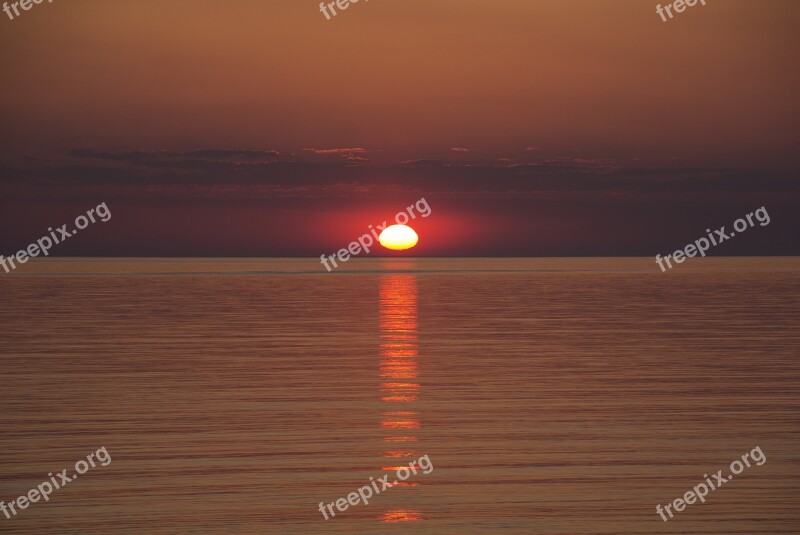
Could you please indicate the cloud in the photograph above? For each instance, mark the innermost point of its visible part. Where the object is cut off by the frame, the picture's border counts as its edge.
(159, 156)
(249, 176)
(460, 149)
(356, 150)
(422, 163)
(233, 154)
(349, 154)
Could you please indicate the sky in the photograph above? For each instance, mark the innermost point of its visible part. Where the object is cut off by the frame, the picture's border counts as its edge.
(531, 128)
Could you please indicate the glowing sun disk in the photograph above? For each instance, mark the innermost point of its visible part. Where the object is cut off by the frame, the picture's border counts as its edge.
(398, 237)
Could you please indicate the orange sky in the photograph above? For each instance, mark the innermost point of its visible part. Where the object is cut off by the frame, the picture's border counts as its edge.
(411, 77)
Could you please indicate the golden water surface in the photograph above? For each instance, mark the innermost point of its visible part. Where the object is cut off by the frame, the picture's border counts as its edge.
(552, 396)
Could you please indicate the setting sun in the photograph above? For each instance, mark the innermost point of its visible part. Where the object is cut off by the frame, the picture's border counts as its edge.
(398, 237)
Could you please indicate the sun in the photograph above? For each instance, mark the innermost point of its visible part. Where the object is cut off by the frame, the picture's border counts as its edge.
(398, 237)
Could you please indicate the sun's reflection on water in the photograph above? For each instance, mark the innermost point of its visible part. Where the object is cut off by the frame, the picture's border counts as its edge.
(399, 387)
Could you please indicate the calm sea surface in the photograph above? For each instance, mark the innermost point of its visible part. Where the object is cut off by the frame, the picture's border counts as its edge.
(552, 396)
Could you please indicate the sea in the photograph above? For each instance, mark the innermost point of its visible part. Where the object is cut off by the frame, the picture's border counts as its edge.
(530, 396)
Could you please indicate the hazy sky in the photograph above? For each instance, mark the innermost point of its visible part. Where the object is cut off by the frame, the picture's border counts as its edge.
(531, 127)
